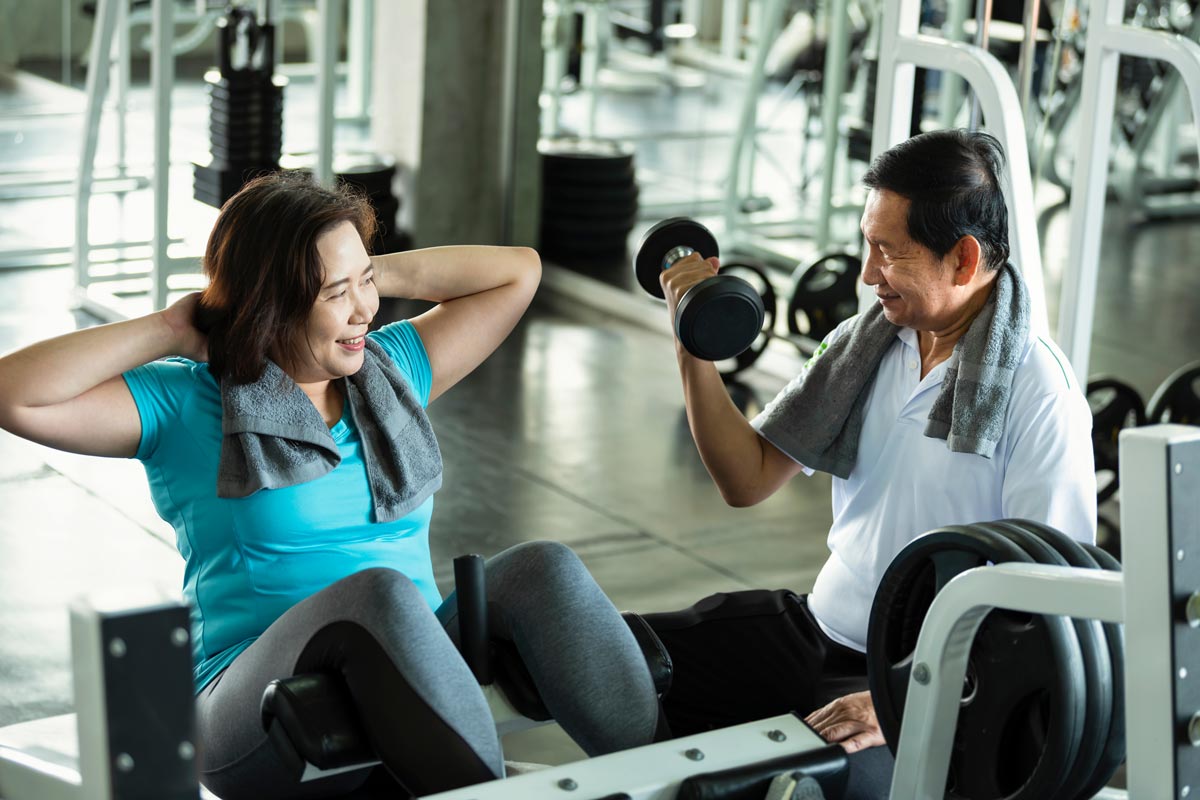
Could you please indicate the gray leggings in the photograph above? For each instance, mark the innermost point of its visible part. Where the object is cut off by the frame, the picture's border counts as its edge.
(418, 701)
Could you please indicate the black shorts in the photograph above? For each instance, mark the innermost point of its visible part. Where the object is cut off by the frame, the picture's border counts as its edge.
(747, 655)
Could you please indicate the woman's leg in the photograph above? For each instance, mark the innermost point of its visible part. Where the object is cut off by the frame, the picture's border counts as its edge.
(581, 655)
(420, 705)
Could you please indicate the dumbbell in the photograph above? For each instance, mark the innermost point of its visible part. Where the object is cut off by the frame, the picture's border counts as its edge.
(717, 318)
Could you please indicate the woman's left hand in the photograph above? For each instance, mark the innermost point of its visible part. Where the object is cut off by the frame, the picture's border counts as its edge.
(849, 721)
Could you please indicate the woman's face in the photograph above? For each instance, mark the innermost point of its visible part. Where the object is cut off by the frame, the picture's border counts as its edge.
(345, 306)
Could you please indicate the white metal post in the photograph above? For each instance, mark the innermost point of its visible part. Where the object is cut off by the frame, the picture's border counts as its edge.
(772, 16)
(330, 14)
(951, 94)
(1107, 40)
(836, 53)
(359, 58)
(97, 86)
(162, 77)
(1151, 458)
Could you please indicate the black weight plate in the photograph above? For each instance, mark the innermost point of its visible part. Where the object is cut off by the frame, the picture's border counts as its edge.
(617, 178)
(662, 239)
(719, 318)
(566, 158)
(824, 294)
(1114, 751)
(757, 277)
(1037, 539)
(581, 213)
(1019, 724)
(1115, 406)
(598, 198)
(573, 226)
(1177, 400)
(370, 172)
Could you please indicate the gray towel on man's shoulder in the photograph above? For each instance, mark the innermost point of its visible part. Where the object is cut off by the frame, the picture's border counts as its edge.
(273, 436)
(817, 419)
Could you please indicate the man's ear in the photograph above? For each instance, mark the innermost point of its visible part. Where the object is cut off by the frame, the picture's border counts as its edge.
(967, 258)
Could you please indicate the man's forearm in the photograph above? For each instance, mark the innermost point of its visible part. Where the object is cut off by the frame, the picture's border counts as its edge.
(729, 447)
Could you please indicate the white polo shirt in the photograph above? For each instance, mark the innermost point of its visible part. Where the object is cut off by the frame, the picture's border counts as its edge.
(905, 483)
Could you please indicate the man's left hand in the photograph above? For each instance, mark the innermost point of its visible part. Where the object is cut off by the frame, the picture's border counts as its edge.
(849, 721)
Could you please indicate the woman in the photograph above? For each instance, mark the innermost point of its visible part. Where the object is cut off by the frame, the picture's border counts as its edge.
(290, 450)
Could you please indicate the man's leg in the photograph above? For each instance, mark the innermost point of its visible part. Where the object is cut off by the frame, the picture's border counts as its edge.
(739, 657)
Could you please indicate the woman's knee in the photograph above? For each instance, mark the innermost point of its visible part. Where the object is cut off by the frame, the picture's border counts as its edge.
(381, 587)
(547, 558)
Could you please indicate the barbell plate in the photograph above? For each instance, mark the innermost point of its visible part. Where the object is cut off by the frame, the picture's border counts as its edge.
(1025, 705)
(1115, 405)
(1177, 399)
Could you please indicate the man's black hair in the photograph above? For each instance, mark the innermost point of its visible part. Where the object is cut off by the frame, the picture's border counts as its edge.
(952, 180)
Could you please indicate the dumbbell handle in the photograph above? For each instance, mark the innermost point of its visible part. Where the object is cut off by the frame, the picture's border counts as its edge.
(674, 255)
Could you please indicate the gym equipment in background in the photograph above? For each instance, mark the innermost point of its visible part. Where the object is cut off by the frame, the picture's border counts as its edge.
(1115, 406)
(374, 175)
(1177, 399)
(246, 114)
(589, 200)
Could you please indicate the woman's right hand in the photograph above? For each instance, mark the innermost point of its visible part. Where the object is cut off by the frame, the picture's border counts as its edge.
(188, 341)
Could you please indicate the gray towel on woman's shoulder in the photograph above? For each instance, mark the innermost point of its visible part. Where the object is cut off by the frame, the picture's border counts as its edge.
(273, 436)
(817, 419)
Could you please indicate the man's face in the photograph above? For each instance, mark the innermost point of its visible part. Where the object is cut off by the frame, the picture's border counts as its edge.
(914, 286)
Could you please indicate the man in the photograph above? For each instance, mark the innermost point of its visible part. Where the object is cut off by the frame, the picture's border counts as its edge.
(937, 406)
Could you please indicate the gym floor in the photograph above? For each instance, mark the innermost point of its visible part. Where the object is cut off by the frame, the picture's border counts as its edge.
(574, 430)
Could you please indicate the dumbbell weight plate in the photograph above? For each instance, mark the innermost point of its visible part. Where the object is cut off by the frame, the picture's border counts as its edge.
(1177, 400)
(662, 239)
(719, 318)
(757, 277)
(1115, 406)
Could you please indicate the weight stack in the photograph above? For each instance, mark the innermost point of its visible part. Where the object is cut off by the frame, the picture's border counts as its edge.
(245, 111)
(374, 175)
(589, 200)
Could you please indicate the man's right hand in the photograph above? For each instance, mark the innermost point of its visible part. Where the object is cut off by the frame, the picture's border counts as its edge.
(683, 275)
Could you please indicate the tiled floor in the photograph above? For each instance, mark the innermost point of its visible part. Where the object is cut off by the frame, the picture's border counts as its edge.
(574, 431)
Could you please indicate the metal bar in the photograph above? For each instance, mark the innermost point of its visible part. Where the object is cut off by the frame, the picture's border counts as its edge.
(162, 77)
(330, 15)
(772, 17)
(1028, 53)
(951, 95)
(1151, 460)
(97, 85)
(731, 29)
(124, 59)
(510, 64)
(589, 64)
(983, 23)
(360, 43)
(1107, 40)
(836, 58)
